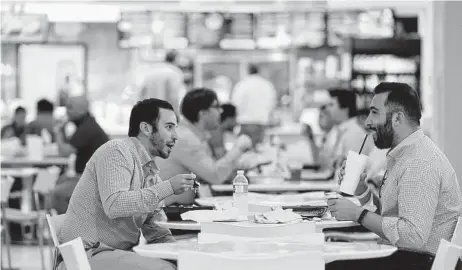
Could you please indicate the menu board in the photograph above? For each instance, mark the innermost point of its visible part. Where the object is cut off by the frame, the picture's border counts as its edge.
(308, 28)
(23, 28)
(238, 26)
(270, 24)
(205, 29)
(140, 28)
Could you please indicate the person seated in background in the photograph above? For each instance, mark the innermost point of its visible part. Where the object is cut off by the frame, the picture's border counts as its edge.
(218, 136)
(44, 121)
(17, 128)
(120, 193)
(201, 114)
(361, 118)
(419, 201)
(324, 154)
(88, 137)
(343, 111)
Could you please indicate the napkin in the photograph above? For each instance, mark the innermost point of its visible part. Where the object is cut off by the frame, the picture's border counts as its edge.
(277, 216)
(231, 214)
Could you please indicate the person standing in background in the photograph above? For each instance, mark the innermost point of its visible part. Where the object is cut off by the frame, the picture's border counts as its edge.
(255, 99)
(88, 137)
(165, 81)
(44, 121)
(17, 128)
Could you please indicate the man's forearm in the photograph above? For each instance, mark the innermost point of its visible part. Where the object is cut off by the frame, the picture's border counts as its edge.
(373, 222)
(64, 148)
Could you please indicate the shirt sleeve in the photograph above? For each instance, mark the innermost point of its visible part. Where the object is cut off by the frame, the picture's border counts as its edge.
(114, 171)
(153, 233)
(83, 135)
(195, 158)
(418, 190)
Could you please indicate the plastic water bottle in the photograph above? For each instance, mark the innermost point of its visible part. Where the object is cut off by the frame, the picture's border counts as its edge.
(240, 190)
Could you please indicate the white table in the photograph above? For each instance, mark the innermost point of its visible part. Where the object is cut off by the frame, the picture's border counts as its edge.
(288, 186)
(32, 161)
(188, 225)
(333, 251)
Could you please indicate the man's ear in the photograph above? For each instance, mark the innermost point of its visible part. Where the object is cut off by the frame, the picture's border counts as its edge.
(145, 128)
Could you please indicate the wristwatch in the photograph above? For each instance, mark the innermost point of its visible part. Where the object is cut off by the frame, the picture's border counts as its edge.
(362, 215)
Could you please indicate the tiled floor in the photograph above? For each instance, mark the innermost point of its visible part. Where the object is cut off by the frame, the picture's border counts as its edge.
(26, 258)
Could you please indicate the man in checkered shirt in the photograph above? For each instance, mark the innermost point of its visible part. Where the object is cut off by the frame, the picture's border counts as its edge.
(419, 200)
(121, 194)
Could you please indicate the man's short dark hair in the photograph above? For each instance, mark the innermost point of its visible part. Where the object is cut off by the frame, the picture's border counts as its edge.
(170, 57)
(401, 97)
(45, 106)
(197, 100)
(146, 111)
(228, 110)
(253, 69)
(20, 110)
(346, 99)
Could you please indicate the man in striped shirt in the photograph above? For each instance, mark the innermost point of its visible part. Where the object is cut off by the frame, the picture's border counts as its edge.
(121, 194)
(419, 200)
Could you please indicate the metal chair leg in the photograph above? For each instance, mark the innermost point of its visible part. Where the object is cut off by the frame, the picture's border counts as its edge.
(6, 230)
(40, 230)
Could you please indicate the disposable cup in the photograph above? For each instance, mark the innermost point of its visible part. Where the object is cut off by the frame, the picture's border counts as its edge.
(355, 166)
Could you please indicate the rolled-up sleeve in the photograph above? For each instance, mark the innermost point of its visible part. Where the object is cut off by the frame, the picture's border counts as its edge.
(114, 170)
(418, 190)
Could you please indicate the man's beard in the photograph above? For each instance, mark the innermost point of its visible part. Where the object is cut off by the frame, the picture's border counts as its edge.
(158, 146)
(384, 135)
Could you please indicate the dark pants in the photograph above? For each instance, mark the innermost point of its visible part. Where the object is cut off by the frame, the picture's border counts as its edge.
(63, 192)
(400, 260)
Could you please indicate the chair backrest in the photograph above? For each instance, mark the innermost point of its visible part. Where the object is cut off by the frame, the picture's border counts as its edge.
(193, 260)
(6, 185)
(74, 255)
(457, 236)
(45, 181)
(447, 256)
(259, 230)
(55, 223)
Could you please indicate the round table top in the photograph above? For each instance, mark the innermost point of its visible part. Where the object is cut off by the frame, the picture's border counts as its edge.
(333, 251)
(188, 225)
(34, 161)
(287, 186)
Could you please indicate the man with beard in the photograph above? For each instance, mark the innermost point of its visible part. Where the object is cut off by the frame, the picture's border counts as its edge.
(419, 199)
(201, 114)
(120, 192)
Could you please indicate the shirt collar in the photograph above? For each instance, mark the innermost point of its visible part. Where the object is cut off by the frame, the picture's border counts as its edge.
(409, 140)
(202, 135)
(146, 159)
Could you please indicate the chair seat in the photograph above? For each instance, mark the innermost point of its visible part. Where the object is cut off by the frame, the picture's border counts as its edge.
(15, 215)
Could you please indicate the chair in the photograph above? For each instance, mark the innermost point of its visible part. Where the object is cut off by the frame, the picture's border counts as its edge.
(457, 236)
(447, 256)
(44, 185)
(194, 260)
(74, 255)
(6, 185)
(55, 224)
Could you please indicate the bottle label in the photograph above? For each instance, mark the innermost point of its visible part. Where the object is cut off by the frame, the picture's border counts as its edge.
(240, 188)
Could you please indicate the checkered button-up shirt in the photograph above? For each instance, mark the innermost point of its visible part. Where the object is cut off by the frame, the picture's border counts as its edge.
(118, 194)
(420, 197)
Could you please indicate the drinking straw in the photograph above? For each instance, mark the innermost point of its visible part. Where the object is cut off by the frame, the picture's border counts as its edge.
(365, 138)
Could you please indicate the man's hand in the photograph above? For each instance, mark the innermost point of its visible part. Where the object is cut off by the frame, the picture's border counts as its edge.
(244, 143)
(344, 209)
(182, 182)
(362, 186)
